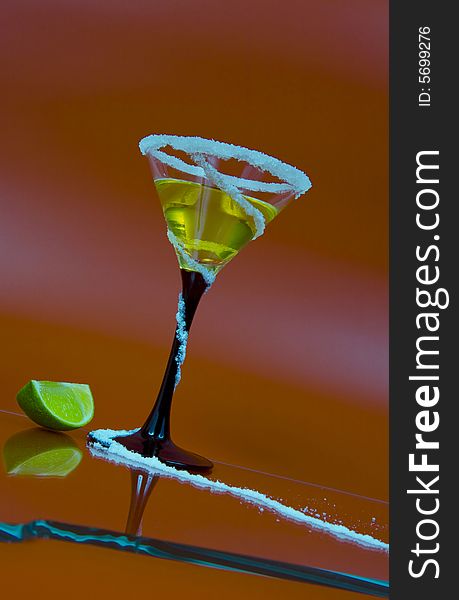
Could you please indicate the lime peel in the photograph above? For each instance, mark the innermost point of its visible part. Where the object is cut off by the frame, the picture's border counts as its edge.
(57, 405)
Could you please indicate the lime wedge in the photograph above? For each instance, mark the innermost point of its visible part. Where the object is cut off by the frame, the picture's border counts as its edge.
(60, 406)
(41, 453)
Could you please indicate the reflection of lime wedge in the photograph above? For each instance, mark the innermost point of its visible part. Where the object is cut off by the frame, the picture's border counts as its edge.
(57, 405)
(41, 453)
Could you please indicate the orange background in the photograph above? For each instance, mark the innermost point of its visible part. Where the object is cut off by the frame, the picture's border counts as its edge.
(287, 363)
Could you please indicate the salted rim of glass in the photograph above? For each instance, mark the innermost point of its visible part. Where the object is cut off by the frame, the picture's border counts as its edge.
(197, 148)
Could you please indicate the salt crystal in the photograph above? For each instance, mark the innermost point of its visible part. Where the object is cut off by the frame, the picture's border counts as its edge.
(295, 180)
(182, 335)
(103, 444)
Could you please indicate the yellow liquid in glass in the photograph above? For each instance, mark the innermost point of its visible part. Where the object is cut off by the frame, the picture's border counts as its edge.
(211, 226)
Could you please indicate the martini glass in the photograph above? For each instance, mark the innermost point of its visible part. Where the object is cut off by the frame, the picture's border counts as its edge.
(216, 198)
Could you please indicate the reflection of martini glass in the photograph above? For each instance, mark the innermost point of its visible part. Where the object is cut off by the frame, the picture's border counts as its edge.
(216, 197)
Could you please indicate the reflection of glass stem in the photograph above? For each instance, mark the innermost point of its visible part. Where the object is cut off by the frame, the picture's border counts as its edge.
(142, 484)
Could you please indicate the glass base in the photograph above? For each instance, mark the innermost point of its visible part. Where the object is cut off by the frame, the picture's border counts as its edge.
(166, 451)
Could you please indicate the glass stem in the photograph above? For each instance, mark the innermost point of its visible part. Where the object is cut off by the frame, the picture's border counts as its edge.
(157, 426)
